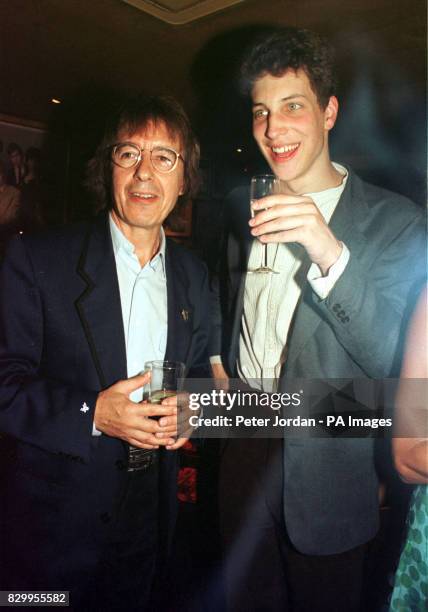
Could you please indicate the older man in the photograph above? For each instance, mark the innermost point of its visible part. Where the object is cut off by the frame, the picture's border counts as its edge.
(82, 309)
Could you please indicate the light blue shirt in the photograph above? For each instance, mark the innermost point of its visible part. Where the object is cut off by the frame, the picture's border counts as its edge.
(143, 297)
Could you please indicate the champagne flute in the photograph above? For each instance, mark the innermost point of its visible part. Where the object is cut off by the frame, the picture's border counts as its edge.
(263, 185)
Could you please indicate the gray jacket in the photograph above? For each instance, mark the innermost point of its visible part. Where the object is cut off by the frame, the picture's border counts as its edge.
(356, 333)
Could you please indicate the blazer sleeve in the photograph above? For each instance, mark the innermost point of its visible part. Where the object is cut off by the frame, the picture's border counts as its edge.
(35, 408)
(370, 304)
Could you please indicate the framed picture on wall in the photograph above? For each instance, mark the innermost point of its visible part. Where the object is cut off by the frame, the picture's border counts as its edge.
(52, 157)
(23, 132)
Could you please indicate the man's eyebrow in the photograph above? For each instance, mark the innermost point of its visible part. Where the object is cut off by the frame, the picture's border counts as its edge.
(290, 97)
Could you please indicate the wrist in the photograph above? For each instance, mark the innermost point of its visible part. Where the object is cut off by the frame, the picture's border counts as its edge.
(332, 258)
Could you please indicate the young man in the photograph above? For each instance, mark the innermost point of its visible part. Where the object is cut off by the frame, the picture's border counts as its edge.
(82, 309)
(348, 259)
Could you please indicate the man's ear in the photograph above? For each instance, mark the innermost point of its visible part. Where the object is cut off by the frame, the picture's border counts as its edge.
(330, 113)
(182, 189)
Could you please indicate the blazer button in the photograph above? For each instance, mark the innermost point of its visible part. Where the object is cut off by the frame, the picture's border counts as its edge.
(345, 320)
(105, 517)
(121, 465)
(341, 313)
(337, 307)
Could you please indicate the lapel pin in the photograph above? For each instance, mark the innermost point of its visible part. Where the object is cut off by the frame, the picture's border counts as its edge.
(185, 315)
(84, 408)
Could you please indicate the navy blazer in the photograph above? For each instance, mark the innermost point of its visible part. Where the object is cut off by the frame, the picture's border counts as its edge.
(330, 499)
(61, 342)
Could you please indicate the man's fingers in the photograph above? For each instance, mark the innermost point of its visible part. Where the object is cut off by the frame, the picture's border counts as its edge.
(278, 224)
(150, 441)
(275, 200)
(170, 434)
(133, 383)
(177, 444)
(170, 401)
(138, 444)
(283, 212)
(168, 421)
(157, 410)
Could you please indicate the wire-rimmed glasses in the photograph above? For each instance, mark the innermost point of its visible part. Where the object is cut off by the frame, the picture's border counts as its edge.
(128, 154)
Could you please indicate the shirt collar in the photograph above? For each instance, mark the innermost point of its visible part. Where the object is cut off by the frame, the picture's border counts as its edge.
(120, 242)
(325, 198)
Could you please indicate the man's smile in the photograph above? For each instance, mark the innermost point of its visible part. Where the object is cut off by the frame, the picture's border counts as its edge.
(283, 152)
(143, 195)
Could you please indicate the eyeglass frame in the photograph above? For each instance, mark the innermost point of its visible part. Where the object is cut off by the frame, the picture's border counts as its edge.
(113, 148)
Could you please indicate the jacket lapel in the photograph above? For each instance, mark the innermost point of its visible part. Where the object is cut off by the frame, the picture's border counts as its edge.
(180, 309)
(99, 305)
(343, 224)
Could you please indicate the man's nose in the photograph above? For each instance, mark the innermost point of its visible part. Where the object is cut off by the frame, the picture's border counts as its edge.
(275, 126)
(144, 168)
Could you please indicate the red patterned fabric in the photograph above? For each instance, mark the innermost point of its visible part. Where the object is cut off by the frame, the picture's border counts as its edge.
(188, 474)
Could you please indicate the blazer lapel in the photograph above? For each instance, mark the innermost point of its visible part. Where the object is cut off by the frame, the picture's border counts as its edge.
(303, 325)
(343, 225)
(180, 309)
(99, 305)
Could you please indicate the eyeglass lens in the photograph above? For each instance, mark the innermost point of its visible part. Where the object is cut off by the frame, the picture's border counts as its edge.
(128, 155)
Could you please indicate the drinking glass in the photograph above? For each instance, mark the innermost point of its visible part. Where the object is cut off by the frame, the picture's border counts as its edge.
(263, 185)
(166, 379)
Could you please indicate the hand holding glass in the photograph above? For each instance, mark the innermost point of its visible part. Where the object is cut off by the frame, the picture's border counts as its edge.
(166, 379)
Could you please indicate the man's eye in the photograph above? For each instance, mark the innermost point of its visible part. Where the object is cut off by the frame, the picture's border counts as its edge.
(294, 106)
(128, 154)
(165, 161)
(259, 114)
(164, 158)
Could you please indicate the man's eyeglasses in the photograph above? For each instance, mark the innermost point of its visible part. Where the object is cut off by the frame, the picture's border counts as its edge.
(128, 155)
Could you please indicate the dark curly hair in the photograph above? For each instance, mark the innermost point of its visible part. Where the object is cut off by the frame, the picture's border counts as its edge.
(285, 49)
(134, 114)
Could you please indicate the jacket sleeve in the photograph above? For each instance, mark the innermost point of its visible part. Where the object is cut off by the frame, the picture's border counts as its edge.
(51, 414)
(369, 306)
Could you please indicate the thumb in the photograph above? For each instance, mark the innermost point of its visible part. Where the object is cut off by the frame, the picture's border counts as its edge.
(135, 382)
